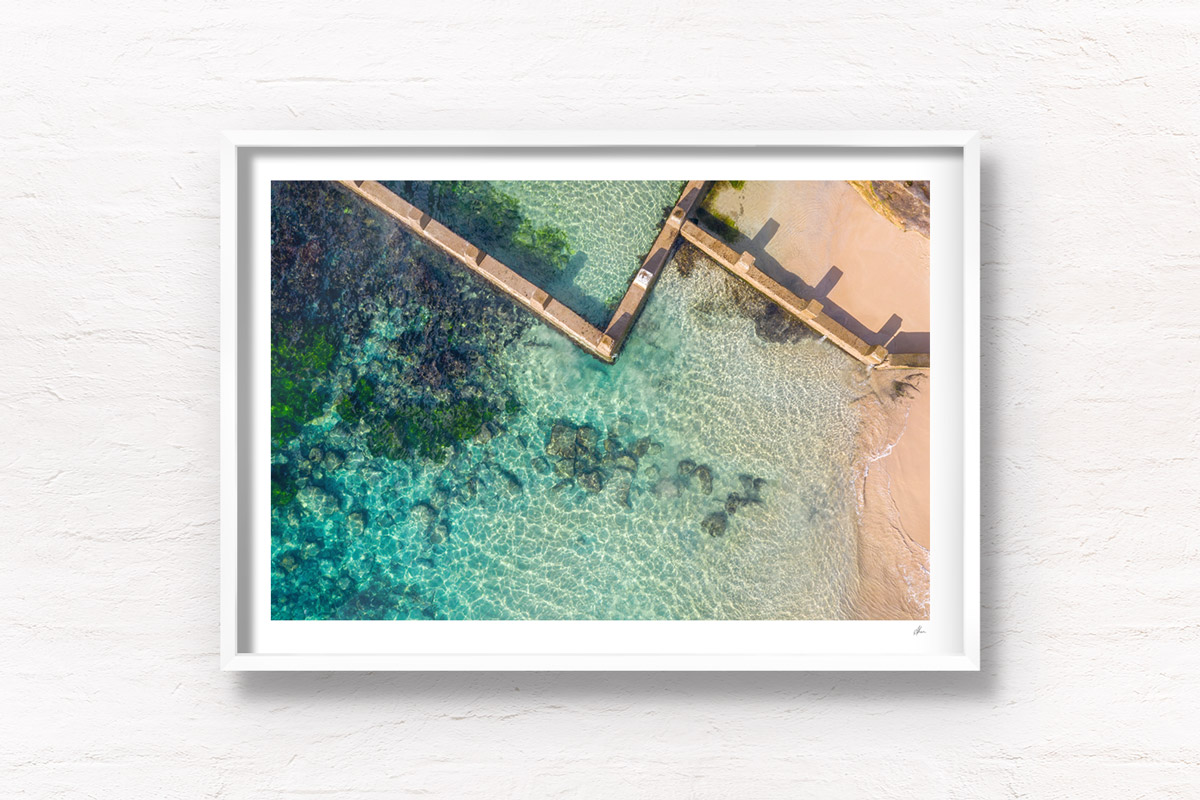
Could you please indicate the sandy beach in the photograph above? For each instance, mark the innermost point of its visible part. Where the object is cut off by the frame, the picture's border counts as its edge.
(892, 484)
(821, 239)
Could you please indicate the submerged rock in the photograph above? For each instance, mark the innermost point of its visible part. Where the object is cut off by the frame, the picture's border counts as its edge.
(587, 437)
(485, 434)
(714, 524)
(333, 460)
(652, 472)
(562, 441)
(422, 513)
(626, 463)
(735, 502)
(591, 481)
(621, 427)
(509, 482)
(704, 475)
(565, 468)
(315, 500)
(558, 487)
(751, 486)
(355, 523)
(372, 478)
(584, 459)
(439, 533)
(686, 467)
(621, 485)
(642, 446)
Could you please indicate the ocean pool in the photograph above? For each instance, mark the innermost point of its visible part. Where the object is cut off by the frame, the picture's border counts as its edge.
(609, 227)
(705, 475)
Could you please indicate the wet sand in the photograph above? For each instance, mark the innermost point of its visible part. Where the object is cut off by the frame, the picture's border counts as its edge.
(892, 484)
(821, 239)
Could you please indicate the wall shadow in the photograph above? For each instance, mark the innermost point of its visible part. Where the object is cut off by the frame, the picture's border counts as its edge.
(771, 267)
(826, 284)
(907, 342)
(562, 287)
(330, 688)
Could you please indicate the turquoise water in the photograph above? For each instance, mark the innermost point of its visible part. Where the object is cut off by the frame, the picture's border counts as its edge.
(611, 225)
(500, 528)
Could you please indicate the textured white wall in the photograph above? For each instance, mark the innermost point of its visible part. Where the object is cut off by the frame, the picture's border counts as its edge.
(108, 435)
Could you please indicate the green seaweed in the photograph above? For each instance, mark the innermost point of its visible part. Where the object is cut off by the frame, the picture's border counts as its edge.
(739, 185)
(300, 357)
(721, 226)
(483, 214)
(283, 486)
(356, 403)
(410, 428)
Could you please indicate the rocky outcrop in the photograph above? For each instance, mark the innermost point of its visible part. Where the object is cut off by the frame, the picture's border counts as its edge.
(905, 203)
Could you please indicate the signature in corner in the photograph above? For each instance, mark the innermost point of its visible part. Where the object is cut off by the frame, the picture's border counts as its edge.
(919, 631)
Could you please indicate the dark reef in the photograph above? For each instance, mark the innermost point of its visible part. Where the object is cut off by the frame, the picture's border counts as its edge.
(424, 389)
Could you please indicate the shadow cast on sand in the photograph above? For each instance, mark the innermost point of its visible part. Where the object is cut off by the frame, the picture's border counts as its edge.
(888, 335)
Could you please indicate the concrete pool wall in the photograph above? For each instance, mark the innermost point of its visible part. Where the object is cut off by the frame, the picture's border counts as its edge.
(606, 344)
(602, 344)
(811, 312)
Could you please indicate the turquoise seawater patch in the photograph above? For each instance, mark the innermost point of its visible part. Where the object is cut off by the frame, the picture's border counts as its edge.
(705, 475)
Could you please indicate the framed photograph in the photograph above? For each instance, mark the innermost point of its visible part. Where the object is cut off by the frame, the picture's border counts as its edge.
(600, 401)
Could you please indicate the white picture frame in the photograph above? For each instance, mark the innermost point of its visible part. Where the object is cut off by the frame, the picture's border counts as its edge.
(949, 640)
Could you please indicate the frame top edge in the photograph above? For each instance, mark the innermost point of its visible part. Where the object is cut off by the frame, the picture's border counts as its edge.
(624, 138)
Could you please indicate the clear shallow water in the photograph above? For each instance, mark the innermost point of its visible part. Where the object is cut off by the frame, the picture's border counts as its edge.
(611, 225)
(495, 533)
(704, 386)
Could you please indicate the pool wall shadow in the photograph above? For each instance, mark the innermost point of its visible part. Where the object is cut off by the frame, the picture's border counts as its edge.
(884, 348)
(811, 304)
(604, 345)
